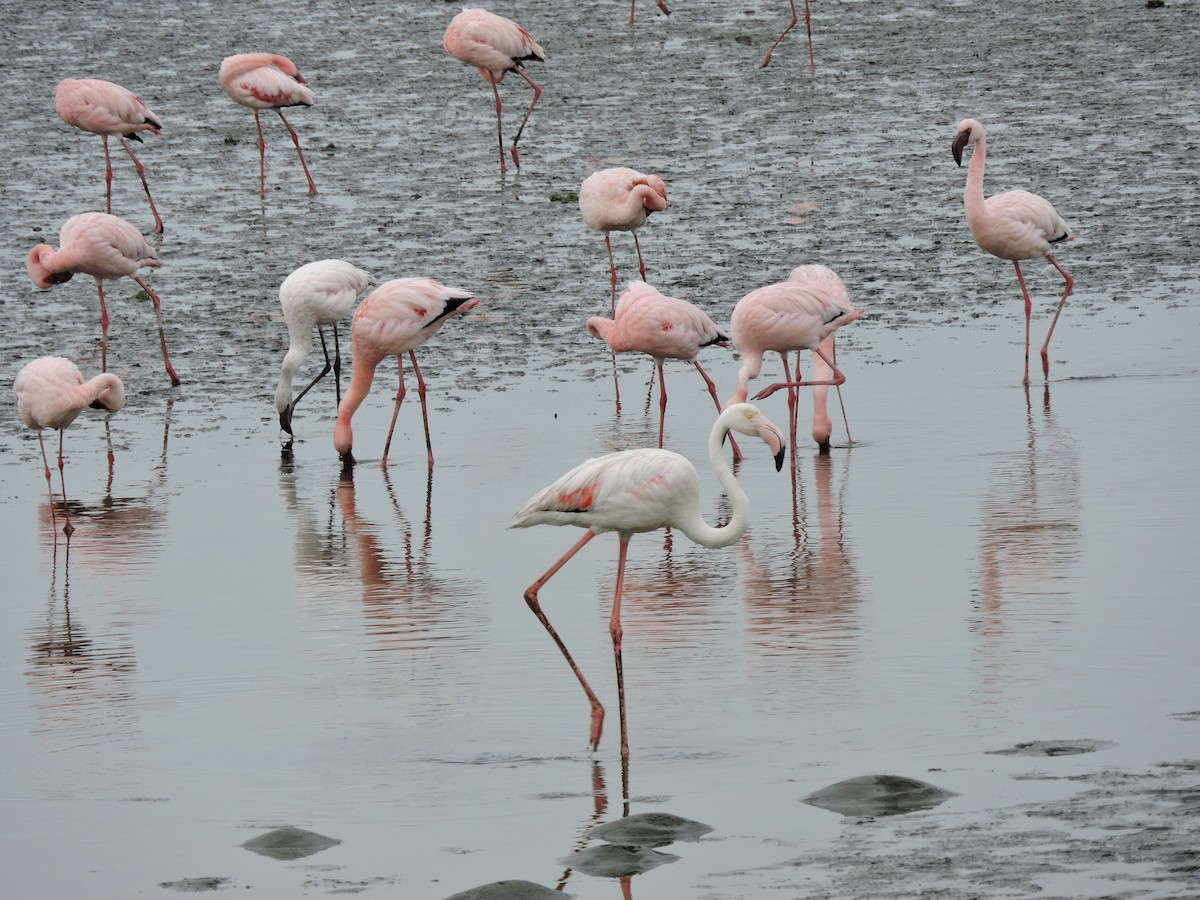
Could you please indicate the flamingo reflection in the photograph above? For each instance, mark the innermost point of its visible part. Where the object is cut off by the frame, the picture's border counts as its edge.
(1029, 538)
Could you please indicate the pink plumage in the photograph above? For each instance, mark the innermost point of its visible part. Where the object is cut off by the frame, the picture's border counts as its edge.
(495, 46)
(51, 393)
(620, 199)
(109, 110)
(105, 247)
(648, 321)
(398, 317)
(1015, 225)
(267, 81)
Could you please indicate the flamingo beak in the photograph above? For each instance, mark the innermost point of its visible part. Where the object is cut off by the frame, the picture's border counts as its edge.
(960, 141)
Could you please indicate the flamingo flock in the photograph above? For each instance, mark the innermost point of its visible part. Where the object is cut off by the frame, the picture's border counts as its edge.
(627, 492)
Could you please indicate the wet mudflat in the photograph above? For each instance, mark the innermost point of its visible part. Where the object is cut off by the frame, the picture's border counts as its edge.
(233, 643)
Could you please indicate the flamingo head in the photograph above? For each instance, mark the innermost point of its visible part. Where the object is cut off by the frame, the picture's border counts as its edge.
(599, 327)
(969, 131)
(39, 273)
(654, 197)
(288, 67)
(110, 394)
(747, 419)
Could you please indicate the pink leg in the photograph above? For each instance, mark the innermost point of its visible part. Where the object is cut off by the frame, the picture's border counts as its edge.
(614, 628)
(612, 269)
(262, 158)
(662, 401)
(531, 598)
(766, 59)
(103, 327)
(838, 378)
(424, 412)
(537, 92)
(49, 487)
(1028, 311)
(712, 390)
(312, 188)
(400, 391)
(638, 248)
(1066, 290)
(68, 528)
(158, 222)
(107, 177)
(162, 338)
(499, 126)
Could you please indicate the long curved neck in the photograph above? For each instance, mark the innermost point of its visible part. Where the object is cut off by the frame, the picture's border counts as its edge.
(105, 389)
(715, 537)
(356, 393)
(973, 194)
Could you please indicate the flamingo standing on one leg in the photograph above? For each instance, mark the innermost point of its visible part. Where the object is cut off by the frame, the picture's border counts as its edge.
(1014, 225)
(50, 393)
(636, 491)
(314, 295)
(102, 246)
(620, 200)
(812, 65)
(798, 314)
(397, 318)
(108, 109)
(661, 5)
(495, 46)
(267, 81)
(663, 327)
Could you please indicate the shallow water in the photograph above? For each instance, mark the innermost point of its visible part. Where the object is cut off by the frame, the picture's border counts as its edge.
(233, 642)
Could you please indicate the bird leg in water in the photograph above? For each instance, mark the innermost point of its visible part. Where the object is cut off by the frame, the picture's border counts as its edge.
(137, 164)
(537, 92)
(499, 124)
(641, 264)
(262, 158)
(1046, 346)
(531, 598)
(162, 339)
(712, 389)
(49, 486)
(68, 528)
(614, 628)
(424, 411)
(812, 65)
(287, 426)
(312, 187)
(400, 392)
(612, 268)
(839, 377)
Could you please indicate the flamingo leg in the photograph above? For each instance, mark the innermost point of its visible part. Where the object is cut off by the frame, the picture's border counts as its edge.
(660, 3)
(638, 248)
(531, 598)
(712, 390)
(162, 338)
(614, 628)
(1066, 290)
(499, 125)
(137, 164)
(262, 158)
(325, 371)
(537, 92)
(612, 268)
(1028, 311)
(103, 326)
(312, 187)
(337, 363)
(424, 410)
(49, 487)
(838, 388)
(790, 25)
(107, 177)
(839, 377)
(68, 528)
(400, 391)
(662, 401)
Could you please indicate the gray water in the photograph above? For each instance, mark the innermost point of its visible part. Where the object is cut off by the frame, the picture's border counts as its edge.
(233, 642)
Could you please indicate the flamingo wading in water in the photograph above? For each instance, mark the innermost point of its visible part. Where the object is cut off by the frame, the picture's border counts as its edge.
(495, 46)
(107, 109)
(812, 65)
(51, 393)
(398, 317)
(663, 327)
(315, 295)
(102, 246)
(801, 313)
(661, 5)
(633, 492)
(268, 81)
(1014, 225)
(620, 199)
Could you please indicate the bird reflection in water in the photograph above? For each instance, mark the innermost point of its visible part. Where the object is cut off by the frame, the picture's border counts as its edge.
(1029, 538)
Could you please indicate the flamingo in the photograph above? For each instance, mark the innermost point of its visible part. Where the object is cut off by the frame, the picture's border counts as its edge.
(51, 393)
(102, 246)
(801, 313)
(398, 317)
(495, 46)
(267, 81)
(107, 109)
(633, 492)
(661, 5)
(812, 65)
(620, 199)
(663, 327)
(316, 294)
(1014, 225)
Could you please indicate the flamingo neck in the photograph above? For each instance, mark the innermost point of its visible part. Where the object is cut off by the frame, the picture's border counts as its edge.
(973, 193)
(360, 385)
(715, 537)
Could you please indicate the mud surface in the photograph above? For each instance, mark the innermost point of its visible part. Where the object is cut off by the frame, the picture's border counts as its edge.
(230, 643)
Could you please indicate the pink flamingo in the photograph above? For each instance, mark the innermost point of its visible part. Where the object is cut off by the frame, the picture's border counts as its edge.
(51, 393)
(812, 65)
(663, 327)
(102, 246)
(661, 5)
(633, 492)
(397, 318)
(268, 81)
(495, 46)
(108, 109)
(801, 313)
(314, 295)
(1014, 225)
(620, 200)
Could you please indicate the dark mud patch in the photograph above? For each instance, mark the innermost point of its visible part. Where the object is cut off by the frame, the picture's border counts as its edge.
(654, 829)
(1053, 748)
(509, 890)
(196, 885)
(290, 843)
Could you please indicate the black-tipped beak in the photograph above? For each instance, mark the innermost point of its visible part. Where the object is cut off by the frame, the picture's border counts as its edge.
(285, 422)
(957, 145)
(779, 458)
